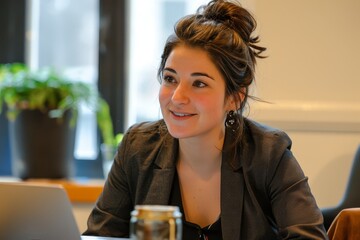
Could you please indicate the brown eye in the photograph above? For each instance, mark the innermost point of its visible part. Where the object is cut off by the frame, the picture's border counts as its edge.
(168, 79)
(199, 84)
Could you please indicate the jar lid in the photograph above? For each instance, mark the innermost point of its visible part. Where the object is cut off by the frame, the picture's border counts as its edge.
(156, 212)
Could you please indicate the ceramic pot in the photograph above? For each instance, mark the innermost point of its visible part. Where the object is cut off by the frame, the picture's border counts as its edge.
(42, 147)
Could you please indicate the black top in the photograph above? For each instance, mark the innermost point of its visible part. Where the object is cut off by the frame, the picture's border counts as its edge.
(192, 231)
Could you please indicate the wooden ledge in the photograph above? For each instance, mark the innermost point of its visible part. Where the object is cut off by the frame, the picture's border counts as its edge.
(79, 191)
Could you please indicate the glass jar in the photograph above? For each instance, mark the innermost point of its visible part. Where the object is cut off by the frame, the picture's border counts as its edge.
(155, 222)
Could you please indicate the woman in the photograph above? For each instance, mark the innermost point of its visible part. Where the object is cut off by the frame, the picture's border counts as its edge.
(232, 178)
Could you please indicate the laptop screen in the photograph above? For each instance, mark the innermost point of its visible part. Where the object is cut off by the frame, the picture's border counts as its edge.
(36, 212)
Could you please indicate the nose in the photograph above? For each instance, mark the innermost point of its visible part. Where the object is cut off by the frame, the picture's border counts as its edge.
(180, 94)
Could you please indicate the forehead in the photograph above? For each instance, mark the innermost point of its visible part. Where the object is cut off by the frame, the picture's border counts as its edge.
(184, 57)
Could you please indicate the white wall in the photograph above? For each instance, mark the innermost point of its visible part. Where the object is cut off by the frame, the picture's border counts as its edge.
(312, 78)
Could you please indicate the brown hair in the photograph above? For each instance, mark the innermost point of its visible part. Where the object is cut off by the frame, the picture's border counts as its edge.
(224, 30)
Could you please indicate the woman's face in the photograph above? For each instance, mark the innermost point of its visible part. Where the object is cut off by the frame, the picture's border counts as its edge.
(192, 94)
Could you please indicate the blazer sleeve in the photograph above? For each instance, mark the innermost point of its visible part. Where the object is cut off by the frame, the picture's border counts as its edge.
(111, 214)
(293, 205)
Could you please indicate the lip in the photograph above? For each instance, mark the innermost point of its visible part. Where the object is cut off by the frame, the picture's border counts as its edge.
(180, 115)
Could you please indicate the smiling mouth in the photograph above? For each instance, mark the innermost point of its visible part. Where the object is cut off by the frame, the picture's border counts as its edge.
(181, 114)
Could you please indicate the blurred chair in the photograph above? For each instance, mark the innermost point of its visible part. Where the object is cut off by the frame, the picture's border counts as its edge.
(346, 225)
(351, 198)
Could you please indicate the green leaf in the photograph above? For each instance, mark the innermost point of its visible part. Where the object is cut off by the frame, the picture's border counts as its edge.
(47, 90)
(118, 138)
(105, 123)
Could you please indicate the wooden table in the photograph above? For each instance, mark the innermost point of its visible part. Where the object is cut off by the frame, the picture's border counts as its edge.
(78, 190)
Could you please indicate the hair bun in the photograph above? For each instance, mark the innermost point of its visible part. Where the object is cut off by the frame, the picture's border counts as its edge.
(235, 17)
(218, 11)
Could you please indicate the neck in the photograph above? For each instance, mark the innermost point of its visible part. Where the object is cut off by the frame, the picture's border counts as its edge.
(201, 154)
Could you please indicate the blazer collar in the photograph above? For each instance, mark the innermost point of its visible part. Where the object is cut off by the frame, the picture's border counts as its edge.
(169, 149)
(232, 189)
(163, 172)
(168, 152)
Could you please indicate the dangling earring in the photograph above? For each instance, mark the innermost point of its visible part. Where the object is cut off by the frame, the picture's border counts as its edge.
(231, 121)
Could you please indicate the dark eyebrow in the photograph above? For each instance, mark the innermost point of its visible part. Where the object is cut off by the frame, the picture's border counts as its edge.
(169, 69)
(195, 74)
(202, 74)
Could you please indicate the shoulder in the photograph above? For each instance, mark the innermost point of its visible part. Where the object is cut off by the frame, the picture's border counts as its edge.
(261, 130)
(267, 157)
(264, 147)
(143, 141)
(146, 131)
(266, 137)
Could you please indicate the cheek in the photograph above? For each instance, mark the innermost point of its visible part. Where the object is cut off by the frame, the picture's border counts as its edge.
(210, 105)
(164, 95)
(211, 100)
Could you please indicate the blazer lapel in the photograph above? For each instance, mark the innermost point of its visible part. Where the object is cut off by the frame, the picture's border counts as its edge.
(162, 173)
(160, 187)
(232, 191)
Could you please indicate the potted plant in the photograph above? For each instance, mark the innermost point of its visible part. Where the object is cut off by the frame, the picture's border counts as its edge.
(42, 107)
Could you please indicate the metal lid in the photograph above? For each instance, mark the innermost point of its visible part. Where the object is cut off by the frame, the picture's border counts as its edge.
(156, 212)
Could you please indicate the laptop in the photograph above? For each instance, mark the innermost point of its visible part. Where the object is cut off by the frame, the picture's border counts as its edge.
(36, 212)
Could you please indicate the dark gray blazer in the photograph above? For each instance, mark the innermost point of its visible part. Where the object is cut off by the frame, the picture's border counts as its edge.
(264, 193)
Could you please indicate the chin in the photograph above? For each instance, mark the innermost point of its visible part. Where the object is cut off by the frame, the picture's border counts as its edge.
(178, 132)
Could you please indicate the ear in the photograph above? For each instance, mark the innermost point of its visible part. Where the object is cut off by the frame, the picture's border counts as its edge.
(230, 103)
(234, 101)
(242, 94)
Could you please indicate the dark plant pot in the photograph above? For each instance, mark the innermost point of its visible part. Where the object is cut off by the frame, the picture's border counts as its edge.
(42, 147)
